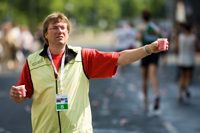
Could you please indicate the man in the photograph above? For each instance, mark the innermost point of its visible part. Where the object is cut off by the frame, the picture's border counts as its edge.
(61, 71)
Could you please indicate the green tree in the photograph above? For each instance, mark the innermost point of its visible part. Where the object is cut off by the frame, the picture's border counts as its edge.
(156, 7)
(82, 10)
(3, 9)
(86, 12)
(130, 8)
(109, 11)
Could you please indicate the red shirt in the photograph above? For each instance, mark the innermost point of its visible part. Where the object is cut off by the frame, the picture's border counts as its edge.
(56, 60)
(96, 64)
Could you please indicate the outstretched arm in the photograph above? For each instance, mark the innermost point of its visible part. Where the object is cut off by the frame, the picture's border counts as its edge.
(129, 56)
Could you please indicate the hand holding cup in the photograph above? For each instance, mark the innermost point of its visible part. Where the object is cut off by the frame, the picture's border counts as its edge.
(162, 43)
(17, 92)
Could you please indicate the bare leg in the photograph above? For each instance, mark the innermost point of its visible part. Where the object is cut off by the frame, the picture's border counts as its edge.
(153, 79)
(188, 79)
(144, 86)
(181, 84)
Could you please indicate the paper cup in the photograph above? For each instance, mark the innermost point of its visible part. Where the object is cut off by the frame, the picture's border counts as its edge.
(22, 90)
(162, 42)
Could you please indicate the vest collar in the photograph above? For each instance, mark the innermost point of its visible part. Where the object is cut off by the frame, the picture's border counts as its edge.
(69, 53)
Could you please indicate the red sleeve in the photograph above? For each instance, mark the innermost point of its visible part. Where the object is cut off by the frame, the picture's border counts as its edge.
(99, 64)
(25, 79)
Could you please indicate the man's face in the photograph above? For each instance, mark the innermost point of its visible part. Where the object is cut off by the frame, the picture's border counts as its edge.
(57, 33)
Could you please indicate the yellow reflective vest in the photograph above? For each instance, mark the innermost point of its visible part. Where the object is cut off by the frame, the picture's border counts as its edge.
(45, 118)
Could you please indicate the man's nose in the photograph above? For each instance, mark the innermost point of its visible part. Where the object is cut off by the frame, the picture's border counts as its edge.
(60, 29)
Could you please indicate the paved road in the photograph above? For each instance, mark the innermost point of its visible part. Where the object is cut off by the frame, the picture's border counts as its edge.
(120, 105)
(116, 105)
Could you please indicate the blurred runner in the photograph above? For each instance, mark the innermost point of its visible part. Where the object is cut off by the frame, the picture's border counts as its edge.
(148, 32)
(186, 45)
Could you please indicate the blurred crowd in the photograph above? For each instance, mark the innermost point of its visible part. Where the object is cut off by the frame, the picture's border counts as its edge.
(16, 43)
(183, 42)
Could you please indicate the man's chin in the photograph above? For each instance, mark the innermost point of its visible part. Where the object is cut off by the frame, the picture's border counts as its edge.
(62, 43)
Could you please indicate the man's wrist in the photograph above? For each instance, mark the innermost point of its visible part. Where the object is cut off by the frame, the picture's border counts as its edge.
(147, 49)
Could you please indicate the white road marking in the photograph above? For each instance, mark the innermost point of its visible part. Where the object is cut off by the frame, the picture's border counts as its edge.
(2, 130)
(170, 128)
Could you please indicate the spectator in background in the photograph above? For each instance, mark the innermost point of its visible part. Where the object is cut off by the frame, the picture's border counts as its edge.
(38, 42)
(9, 48)
(124, 38)
(38, 35)
(186, 45)
(131, 33)
(15, 32)
(148, 32)
(26, 40)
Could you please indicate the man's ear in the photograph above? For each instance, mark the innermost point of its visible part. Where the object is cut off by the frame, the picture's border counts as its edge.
(45, 35)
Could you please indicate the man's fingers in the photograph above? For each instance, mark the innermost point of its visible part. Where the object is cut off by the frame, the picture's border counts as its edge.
(15, 93)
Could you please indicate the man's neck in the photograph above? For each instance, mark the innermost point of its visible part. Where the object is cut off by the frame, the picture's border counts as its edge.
(56, 49)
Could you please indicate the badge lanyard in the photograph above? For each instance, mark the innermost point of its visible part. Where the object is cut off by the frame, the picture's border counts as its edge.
(62, 67)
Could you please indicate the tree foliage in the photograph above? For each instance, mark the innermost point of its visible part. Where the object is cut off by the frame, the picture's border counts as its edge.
(85, 12)
(130, 8)
(156, 7)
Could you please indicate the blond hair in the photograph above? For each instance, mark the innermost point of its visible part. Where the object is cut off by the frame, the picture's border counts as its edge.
(54, 18)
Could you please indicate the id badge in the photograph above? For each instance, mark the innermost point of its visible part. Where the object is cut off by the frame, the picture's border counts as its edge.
(61, 102)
